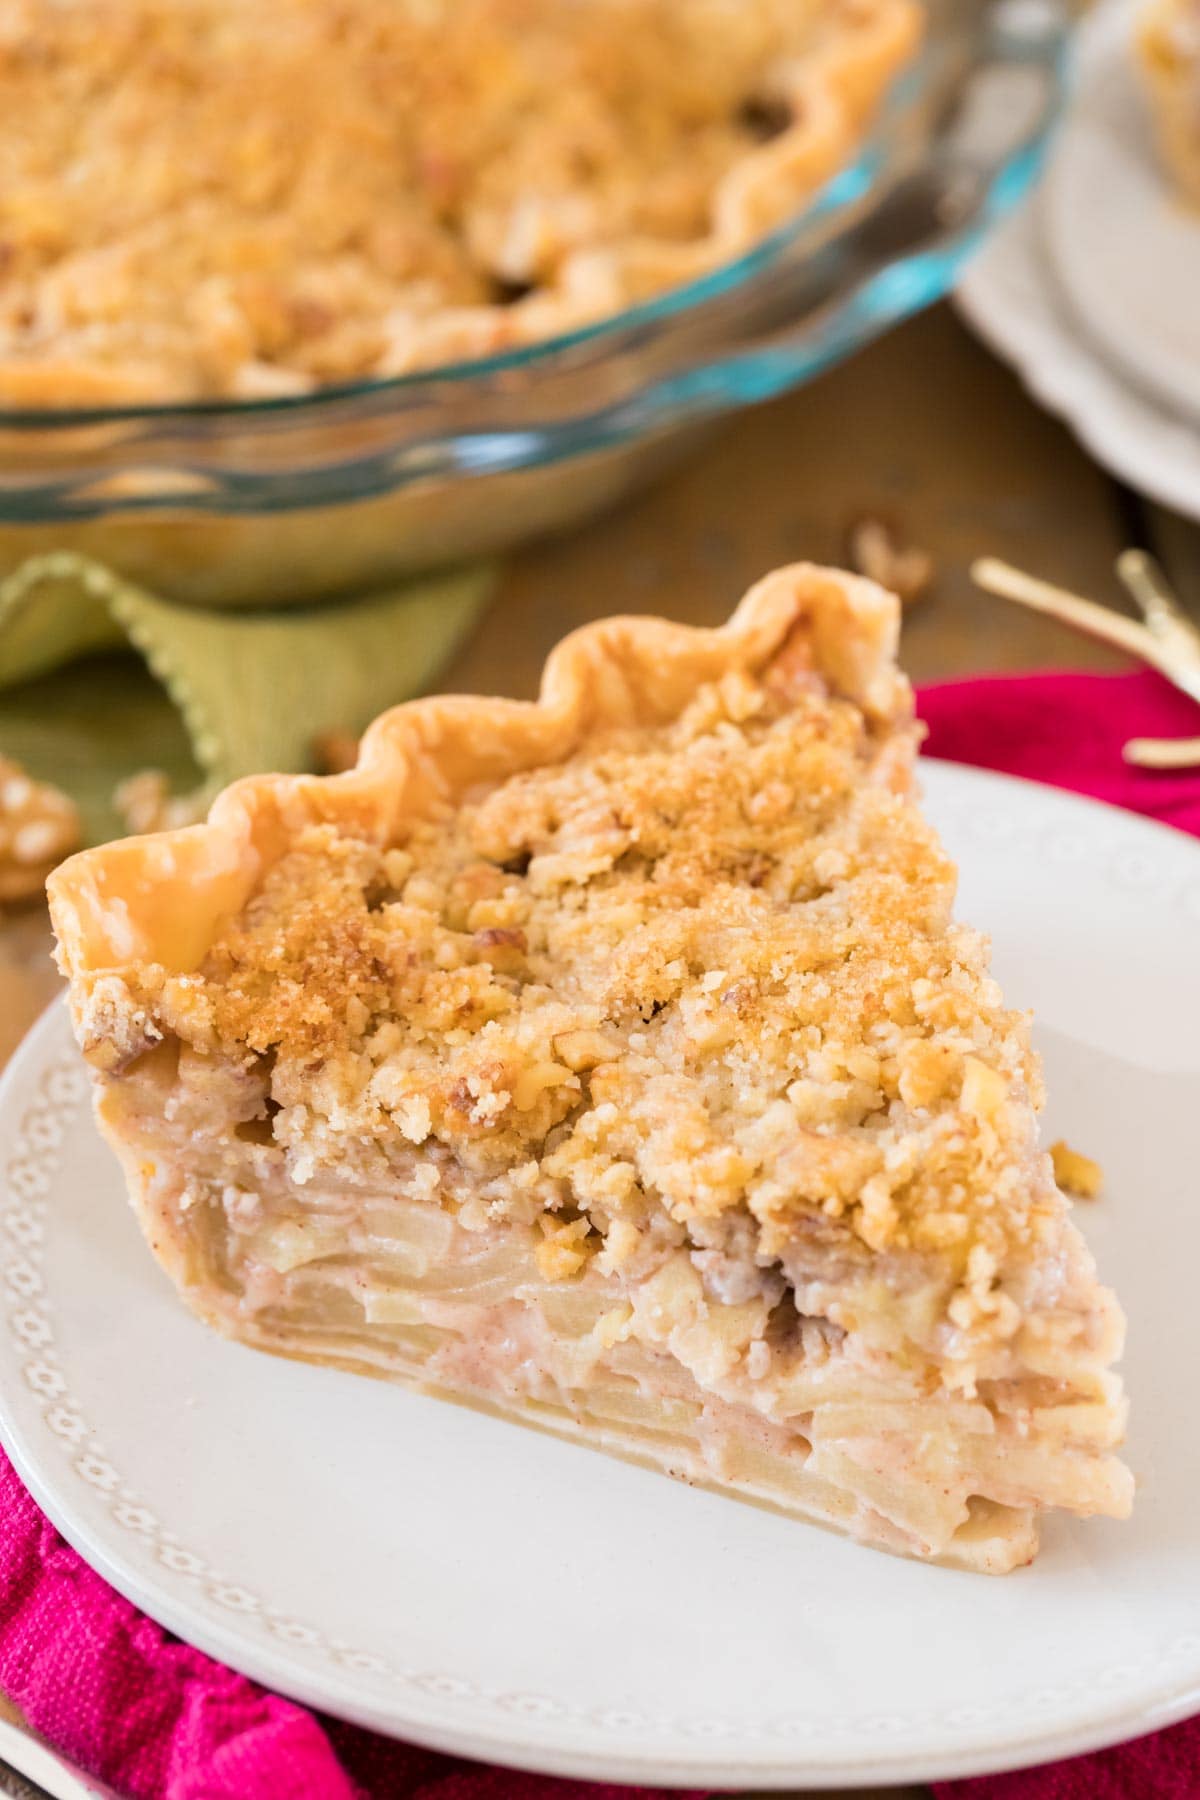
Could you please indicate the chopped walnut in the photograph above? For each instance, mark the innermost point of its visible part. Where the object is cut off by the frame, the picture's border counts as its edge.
(620, 1246)
(582, 1050)
(1075, 1173)
(144, 803)
(39, 825)
(502, 946)
(534, 1080)
(926, 1071)
(984, 1090)
(876, 550)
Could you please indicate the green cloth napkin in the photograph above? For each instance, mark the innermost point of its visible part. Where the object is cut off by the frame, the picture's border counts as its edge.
(207, 696)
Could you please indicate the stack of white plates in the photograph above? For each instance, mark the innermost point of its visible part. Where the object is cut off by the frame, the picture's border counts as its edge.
(1093, 290)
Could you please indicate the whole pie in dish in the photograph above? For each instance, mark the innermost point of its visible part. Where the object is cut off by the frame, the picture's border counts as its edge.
(614, 1062)
(1169, 49)
(209, 198)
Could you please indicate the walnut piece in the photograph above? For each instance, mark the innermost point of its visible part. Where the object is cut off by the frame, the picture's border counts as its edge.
(328, 206)
(1075, 1173)
(39, 825)
(877, 551)
(984, 1090)
(144, 803)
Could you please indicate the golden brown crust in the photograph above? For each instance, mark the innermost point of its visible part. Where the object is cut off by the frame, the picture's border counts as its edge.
(269, 202)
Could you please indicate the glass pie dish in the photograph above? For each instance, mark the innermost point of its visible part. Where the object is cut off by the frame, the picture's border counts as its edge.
(290, 500)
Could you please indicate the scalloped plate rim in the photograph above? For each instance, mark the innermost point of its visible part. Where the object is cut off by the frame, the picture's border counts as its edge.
(1011, 298)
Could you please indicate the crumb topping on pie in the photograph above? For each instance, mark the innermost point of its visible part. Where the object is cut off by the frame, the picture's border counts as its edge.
(696, 969)
(212, 198)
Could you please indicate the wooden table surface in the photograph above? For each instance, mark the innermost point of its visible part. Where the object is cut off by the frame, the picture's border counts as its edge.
(926, 429)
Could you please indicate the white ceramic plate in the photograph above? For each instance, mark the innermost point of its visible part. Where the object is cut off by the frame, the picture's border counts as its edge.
(1092, 289)
(1010, 297)
(453, 1579)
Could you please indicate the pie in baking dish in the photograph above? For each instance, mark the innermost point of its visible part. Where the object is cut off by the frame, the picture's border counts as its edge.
(1169, 49)
(208, 198)
(614, 1063)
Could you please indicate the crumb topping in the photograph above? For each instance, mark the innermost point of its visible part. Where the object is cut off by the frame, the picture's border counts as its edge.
(703, 974)
(209, 197)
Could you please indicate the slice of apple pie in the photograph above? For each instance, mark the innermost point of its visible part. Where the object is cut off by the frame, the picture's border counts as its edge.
(1168, 42)
(614, 1062)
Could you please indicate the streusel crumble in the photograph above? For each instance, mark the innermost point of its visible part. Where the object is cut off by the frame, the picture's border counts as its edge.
(208, 198)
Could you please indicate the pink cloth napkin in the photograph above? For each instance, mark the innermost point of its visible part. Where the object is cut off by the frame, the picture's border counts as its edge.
(160, 1721)
(1069, 729)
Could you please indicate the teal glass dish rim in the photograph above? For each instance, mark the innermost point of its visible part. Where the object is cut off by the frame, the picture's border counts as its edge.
(536, 405)
(848, 185)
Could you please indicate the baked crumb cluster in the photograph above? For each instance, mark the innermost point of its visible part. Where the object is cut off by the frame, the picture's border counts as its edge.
(698, 984)
(207, 197)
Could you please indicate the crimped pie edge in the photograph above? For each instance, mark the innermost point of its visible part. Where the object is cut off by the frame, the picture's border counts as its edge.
(162, 899)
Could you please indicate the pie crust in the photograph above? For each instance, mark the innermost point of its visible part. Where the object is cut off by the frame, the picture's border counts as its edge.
(614, 1062)
(1169, 53)
(217, 200)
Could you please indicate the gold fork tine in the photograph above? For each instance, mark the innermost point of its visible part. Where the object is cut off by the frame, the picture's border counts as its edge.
(1058, 603)
(1146, 580)
(1160, 608)
(1163, 753)
(1168, 642)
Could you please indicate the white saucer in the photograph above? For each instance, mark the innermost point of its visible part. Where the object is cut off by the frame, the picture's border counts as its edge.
(1123, 247)
(1105, 376)
(1009, 296)
(453, 1579)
